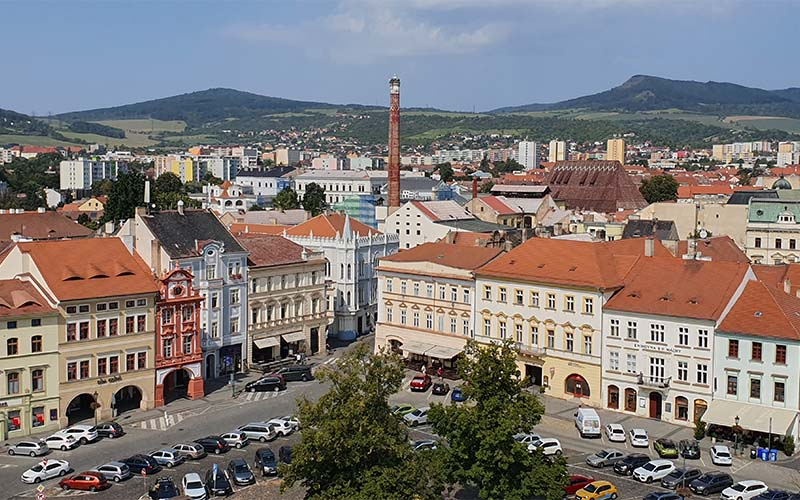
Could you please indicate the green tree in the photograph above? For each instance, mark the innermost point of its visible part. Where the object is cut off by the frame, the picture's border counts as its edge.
(102, 187)
(445, 171)
(126, 194)
(659, 188)
(352, 445)
(286, 200)
(255, 208)
(482, 450)
(169, 183)
(314, 199)
(486, 187)
(210, 178)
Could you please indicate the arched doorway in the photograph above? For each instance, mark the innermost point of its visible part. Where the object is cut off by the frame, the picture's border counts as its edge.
(681, 408)
(82, 407)
(396, 346)
(613, 397)
(127, 399)
(630, 399)
(656, 401)
(577, 386)
(210, 366)
(176, 385)
(700, 408)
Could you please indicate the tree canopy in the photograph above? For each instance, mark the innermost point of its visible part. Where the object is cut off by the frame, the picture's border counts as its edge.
(659, 188)
(445, 171)
(27, 179)
(126, 194)
(314, 199)
(286, 200)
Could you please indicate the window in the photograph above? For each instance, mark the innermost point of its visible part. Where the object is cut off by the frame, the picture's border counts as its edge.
(756, 351)
(466, 296)
(518, 331)
(656, 332)
(101, 306)
(415, 319)
(389, 285)
(551, 338)
(613, 397)
(234, 325)
(403, 287)
(568, 341)
(569, 304)
(777, 243)
(13, 383)
(755, 388)
(702, 339)
(83, 330)
(12, 346)
(682, 408)
(166, 348)
(36, 322)
(113, 327)
(683, 371)
(429, 291)
(630, 400)
(141, 323)
(130, 362)
(587, 344)
(36, 343)
(503, 295)
(100, 326)
(487, 328)
(465, 326)
(487, 292)
(389, 315)
(72, 371)
(72, 309)
(441, 293)
(130, 303)
(614, 361)
(416, 289)
(551, 301)
(187, 344)
(502, 324)
(632, 329)
(630, 365)
(113, 365)
(733, 385)
(11, 325)
(702, 374)
(793, 244)
(429, 321)
(588, 305)
(683, 336)
(141, 359)
(440, 323)
(615, 328)
(733, 348)
(534, 299)
(215, 329)
(453, 325)
(130, 324)
(102, 367)
(403, 316)
(84, 369)
(84, 308)
(758, 243)
(188, 313)
(234, 296)
(453, 294)
(518, 297)
(37, 380)
(780, 354)
(211, 272)
(780, 392)
(214, 300)
(534, 335)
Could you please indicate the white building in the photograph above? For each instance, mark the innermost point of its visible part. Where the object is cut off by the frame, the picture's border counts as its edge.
(225, 198)
(528, 154)
(342, 184)
(265, 184)
(222, 167)
(416, 222)
(82, 173)
(360, 163)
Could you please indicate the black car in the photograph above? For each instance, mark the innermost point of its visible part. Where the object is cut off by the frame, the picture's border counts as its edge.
(268, 383)
(680, 478)
(239, 472)
(773, 495)
(139, 463)
(626, 466)
(110, 430)
(689, 448)
(440, 388)
(295, 373)
(663, 495)
(164, 488)
(285, 455)
(711, 482)
(218, 486)
(265, 462)
(213, 444)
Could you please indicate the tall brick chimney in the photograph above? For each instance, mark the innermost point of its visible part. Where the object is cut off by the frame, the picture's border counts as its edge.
(474, 187)
(394, 144)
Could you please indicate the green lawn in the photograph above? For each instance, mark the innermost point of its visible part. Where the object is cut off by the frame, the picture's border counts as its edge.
(132, 139)
(34, 140)
(146, 126)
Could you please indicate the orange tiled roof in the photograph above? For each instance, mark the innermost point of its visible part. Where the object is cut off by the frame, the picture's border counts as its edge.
(327, 225)
(719, 248)
(20, 298)
(446, 254)
(40, 226)
(498, 205)
(764, 311)
(269, 250)
(238, 228)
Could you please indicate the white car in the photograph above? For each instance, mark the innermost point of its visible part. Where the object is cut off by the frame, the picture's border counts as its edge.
(653, 470)
(193, 486)
(30, 448)
(526, 438)
(721, 455)
(638, 438)
(417, 417)
(235, 439)
(549, 447)
(282, 427)
(293, 421)
(61, 442)
(45, 470)
(743, 490)
(615, 433)
(82, 433)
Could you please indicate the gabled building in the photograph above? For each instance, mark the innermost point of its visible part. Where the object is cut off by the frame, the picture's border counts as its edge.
(511, 212)
(415, 222)
(19, 225)
(600, 186)
(773, 229)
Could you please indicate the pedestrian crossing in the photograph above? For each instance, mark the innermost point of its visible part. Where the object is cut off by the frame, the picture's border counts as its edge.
(161, 423)
(252, 397)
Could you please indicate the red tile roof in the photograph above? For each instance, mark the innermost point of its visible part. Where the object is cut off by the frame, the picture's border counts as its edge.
(498, 205)
(41, 226)
(328, 225)
(268, 250)
(764, 311)
(719, 248)
(446, 254)
(21, 298)
(602, 186)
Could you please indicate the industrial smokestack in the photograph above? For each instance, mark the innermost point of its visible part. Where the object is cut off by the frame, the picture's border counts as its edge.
(394, 144)
(474, 187)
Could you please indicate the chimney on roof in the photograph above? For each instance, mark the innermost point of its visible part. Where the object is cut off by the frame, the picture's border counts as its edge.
(649, 247)
(474, 187)
(787, 286)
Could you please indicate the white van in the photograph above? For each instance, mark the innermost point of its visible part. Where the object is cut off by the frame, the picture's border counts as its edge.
(587, 421)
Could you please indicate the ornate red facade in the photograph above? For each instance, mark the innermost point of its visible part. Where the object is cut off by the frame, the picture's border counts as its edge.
(179, 354)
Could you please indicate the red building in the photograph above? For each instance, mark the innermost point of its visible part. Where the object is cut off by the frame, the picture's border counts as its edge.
(179, 355)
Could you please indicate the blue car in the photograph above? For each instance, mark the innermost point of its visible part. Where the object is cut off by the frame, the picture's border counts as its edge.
(457, 395)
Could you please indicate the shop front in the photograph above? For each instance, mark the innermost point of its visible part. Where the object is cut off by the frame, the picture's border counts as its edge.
(21, 416)
(266, 349)
(569, 379)
(230, 359)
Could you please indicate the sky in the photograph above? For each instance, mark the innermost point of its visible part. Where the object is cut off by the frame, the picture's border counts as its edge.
(67, 55)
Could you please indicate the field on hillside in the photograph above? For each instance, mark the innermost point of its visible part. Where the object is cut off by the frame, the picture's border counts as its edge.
(146, 126)
(132, 140)
(765, 122)
(34, 140)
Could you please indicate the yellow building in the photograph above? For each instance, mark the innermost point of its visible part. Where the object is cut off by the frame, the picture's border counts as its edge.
(187, 168)
(615, 150)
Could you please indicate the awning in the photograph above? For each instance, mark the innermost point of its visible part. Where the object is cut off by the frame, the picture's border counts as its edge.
(751, 417)
(267, 342)
(415, 347)
(294, 337)
(443, 352)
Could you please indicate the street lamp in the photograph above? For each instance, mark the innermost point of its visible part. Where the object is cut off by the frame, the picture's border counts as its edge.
(736, 433)
(95, 406)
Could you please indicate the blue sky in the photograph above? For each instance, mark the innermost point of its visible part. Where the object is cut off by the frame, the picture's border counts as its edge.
(64, 55)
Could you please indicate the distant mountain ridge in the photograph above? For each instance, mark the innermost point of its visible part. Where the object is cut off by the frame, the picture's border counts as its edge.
(650, 93)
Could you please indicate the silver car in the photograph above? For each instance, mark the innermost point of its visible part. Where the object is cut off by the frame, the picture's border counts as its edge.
(192, 451)
(42, 471)
(114, 471)
(605, 458)
(30, 448)
(259, 431)
(235, 439)
(168, 457)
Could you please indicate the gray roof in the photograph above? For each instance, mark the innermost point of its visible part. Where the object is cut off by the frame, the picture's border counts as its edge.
(646, 228)
(743, 197)
(273, 172)
(415, 184)
(179, 234)
(474, 225)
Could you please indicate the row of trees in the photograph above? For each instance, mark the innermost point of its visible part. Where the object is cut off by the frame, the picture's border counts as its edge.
(354, 447)
(313, 200)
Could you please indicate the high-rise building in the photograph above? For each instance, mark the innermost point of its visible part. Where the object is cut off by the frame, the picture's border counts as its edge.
(528, 154)
(557, 151)
(615, 150)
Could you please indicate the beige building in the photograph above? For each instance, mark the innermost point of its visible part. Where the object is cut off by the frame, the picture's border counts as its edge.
(106, 298)
(287, 301)
(615, 150)
(718, 219)
(29, 327)
(557, 151)
(511, 212)
(426, 297)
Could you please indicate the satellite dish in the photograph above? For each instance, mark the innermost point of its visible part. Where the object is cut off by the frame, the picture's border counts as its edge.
(703, 234)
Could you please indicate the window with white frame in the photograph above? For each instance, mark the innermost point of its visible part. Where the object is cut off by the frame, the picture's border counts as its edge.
(614, 328)
(487, 292)
(416, 289)
(429, 321)
(551, 301)
(534, 335)
(440, 323)
(453, 325)
(613, 361)
(587, 344)
(502, 324)
(656, 332)
(465, 326)
(403, 287)
(631, 363)
(415, 319)
(453, 294)
(466, 295)
(518, 331)
(683, 335)
(569, 303)
(534, 298)
(403, 316)
(429, 290)
(569, 341)
(632, 327)
(389, 285)
(702, 374)
(389, 315)
(487, 327)
(588, 305)
(702, 338)
(683, 371)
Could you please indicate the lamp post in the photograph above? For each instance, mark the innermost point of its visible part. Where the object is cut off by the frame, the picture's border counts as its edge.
(736, 433)
(95, 406)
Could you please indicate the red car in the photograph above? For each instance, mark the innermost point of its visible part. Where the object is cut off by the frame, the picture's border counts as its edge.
(576, 482)
(91, 481)
(420, 383)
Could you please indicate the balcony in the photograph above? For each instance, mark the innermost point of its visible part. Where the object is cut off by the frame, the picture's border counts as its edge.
(288, 322)
(653, 382)
(530, 350)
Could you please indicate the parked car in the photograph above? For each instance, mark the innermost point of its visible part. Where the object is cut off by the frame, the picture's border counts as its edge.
(457, 395)
(627, 465)
(526, 438)
(587, 421)
(213, 444)
(744, 490)
(680, 478)
(420, 383)
(193, 486)
(218, 485)
(282, 427)
(662, 495)
(87, 481)
(61, 442)
(721, 455)
(236, 439)
(291, 420)
(441, 388)
(615, 433)
(689, 448)
(110, 430)
(164, 488)
(773, 495)
(266, 462)
(575, 483)
(285, 454)
(402, 410)
(417, 417)
(168, 457)
(295, 373)
(598, 490)
(114, 471)
(605, 458)
(139, 463)
(638, 438)
(84, 434)
(711, 482)
(548, 446)
(422, 445)
(653, 470)
(239, 472)
(45, 470)
(192, 451)
(269, 383)
(665, 448)
(259, 431)
(30, 448)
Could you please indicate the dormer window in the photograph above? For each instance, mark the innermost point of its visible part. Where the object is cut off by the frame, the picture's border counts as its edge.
(786, 217)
